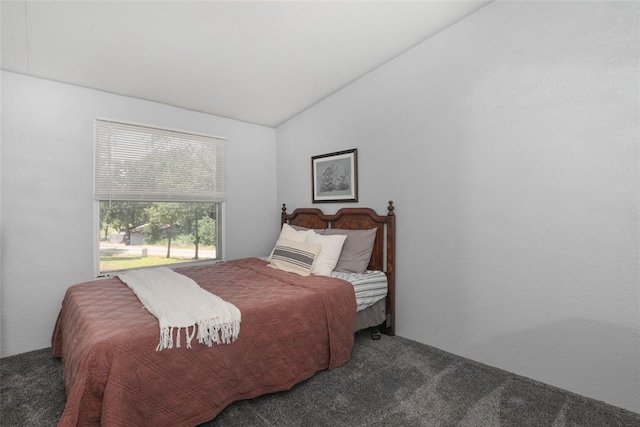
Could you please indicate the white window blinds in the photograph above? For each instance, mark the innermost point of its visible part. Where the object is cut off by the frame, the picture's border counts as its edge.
(138, 162)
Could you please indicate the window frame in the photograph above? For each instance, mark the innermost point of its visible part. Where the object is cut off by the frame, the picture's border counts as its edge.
(219, 204)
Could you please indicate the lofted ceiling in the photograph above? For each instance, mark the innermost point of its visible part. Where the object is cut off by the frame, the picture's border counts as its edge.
(261, 62)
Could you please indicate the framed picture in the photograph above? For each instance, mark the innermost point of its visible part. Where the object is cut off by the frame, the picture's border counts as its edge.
(334, 177)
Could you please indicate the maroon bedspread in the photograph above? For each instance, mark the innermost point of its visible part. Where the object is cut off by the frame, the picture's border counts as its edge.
(291, 327)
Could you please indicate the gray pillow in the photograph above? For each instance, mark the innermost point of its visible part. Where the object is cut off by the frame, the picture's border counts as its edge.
(356, 251)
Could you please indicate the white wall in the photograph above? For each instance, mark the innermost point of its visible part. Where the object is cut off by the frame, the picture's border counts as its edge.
(47, 193)
(509, 143)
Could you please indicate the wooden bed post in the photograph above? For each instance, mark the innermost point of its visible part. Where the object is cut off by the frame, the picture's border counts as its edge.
(390, 328)
(283, 215)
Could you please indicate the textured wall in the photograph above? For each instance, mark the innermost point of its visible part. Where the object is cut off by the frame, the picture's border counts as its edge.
(47, 193)
(509, 143)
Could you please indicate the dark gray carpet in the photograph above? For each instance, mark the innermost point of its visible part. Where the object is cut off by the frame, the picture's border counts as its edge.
(390, 382)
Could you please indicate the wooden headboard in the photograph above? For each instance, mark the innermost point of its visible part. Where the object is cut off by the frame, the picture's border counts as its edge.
(384, 249)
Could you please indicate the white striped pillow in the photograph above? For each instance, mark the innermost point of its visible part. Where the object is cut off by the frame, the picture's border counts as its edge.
(290, 233)
(294, 257)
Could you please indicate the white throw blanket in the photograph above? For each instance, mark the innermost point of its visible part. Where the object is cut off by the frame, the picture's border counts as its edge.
(179, 303)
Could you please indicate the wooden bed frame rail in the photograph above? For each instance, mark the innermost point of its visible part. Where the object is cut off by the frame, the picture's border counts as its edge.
(384, 249)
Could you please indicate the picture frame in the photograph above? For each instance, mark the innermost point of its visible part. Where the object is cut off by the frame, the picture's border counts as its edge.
(334, 177)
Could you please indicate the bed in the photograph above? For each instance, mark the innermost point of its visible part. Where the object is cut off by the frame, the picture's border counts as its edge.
(292, 327)
(382, 314)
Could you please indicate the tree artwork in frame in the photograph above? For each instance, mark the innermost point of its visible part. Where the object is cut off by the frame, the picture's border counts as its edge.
(334, 177)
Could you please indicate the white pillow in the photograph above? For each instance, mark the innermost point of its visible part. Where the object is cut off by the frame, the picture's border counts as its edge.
(330, 249)
(291, 234)
(294, 257)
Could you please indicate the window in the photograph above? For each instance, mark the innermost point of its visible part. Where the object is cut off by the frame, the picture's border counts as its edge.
(160, 194)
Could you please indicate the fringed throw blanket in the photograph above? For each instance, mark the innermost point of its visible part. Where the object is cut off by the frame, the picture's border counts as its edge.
(180, 304)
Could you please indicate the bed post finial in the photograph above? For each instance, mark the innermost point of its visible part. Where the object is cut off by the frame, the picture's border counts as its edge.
(283, 214)
(390, 208)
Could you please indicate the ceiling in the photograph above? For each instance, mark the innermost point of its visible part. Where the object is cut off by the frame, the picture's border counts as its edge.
(261, 62)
